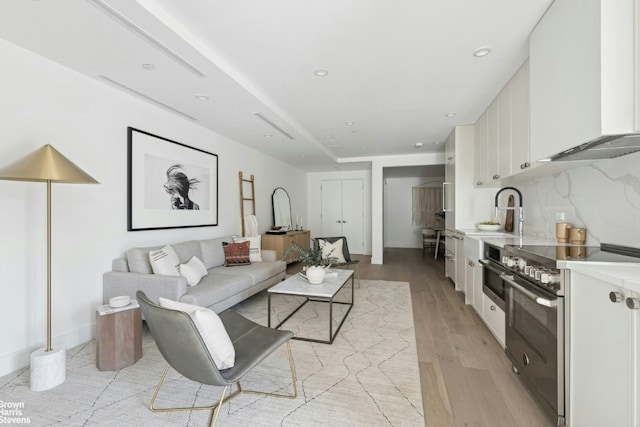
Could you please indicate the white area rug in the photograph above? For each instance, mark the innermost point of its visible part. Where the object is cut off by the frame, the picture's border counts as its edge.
(367, 377)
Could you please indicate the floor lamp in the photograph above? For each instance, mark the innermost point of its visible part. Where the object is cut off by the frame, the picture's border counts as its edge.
(48, 366)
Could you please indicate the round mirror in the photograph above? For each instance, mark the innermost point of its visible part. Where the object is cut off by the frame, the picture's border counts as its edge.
(281, 208)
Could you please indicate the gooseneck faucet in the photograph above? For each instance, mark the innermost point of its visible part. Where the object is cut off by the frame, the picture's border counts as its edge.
(520, 209)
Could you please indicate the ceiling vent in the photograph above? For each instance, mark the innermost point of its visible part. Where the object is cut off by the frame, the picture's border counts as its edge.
(148, 37)
(273, 125)
(145, 97)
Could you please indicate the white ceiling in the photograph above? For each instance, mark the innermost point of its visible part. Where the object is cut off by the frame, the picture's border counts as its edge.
(395, 68)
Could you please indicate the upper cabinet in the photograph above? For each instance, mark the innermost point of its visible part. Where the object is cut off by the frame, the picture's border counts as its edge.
(582, 74)
(502, 132)
(467, 204)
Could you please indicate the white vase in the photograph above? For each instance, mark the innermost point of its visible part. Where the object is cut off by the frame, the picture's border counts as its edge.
(315, 275)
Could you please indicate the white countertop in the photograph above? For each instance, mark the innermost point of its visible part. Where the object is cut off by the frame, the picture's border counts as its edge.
(626, 276)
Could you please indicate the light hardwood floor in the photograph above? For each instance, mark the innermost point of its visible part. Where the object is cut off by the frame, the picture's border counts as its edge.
(465, 375)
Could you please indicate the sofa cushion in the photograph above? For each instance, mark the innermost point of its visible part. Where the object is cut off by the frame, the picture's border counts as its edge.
(215, 287)
(138, 258)
(165, 261)
(193, 271)
(212, 252)
(257, 272)
(236, 254)
(255, 244)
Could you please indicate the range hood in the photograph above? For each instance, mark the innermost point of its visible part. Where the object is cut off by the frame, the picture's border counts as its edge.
(605, 147)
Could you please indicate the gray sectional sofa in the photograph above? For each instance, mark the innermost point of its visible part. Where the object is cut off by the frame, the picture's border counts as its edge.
(220, 289)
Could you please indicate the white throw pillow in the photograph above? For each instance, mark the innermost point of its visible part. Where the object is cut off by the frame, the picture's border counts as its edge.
(193, 271)
(165, 261)
(211, 330)
(333, 250)
(255, 247)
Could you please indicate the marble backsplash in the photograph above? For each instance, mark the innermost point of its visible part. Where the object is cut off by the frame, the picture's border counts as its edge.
(603, 196)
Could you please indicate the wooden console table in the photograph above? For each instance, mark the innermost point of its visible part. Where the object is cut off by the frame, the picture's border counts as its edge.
(280, 242)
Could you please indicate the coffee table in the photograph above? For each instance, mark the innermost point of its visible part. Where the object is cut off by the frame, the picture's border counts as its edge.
(323, 292)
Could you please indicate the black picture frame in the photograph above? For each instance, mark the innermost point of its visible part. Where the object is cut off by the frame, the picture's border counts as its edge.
(170, 184)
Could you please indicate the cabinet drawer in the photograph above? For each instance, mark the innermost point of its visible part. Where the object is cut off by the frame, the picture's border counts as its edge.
(493, 316)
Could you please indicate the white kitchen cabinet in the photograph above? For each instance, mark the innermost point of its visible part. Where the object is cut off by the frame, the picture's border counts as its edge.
(473, 286)
(603, 354)
(450, 255)
(448, 187)
(519, 150)
(493, 317)
(460, 263)
(503, 131)
(581, 74)
(480, 147)
(492, 141)
(469, 205)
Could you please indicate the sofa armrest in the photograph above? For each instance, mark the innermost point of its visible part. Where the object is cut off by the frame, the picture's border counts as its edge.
(115, 283)
(268, 255)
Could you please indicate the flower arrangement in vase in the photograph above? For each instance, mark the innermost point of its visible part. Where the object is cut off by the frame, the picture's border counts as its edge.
(316, 262)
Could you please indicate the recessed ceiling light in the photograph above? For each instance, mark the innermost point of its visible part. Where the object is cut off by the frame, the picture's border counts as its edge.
(201, 97)
(321, 72)
(349, 123)
(482, 51)
(364, 147)
(452, 114)
(268, 136)
(436, 143)
(419, 144)
(149, 67)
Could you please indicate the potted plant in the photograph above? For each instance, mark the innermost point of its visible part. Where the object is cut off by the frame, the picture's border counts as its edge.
(314, 259)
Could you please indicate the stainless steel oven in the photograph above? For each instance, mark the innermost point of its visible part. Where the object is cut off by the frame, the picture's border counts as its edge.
(535, 340)
(493, 284)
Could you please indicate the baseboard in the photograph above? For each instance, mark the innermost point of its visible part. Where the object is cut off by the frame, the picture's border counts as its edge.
(19, 359)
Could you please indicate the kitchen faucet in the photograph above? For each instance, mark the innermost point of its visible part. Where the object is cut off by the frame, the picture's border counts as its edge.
(520, 209)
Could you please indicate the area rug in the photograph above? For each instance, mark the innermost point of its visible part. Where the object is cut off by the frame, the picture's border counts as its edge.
(367, 377)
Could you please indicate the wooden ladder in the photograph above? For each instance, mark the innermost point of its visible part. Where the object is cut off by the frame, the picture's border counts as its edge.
(244, 200)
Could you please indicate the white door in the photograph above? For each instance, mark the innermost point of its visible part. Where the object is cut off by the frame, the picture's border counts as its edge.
(342, 211)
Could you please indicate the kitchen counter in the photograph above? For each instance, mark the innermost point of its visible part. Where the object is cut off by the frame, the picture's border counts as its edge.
(626, 276)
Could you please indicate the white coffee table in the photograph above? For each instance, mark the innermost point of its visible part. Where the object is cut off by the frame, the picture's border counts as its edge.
(324, 292)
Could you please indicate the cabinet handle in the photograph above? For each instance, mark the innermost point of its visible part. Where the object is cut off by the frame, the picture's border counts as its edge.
(496, 176)
(479, 183)
(493, 308)
(616, 297)
(633, 303)
(526, 165)
(471, 264)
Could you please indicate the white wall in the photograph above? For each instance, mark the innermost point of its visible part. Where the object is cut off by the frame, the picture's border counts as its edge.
(399, 230)
(314, 219)
(43, 102)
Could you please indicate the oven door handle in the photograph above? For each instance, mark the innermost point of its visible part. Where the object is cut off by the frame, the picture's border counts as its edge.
(539, 300)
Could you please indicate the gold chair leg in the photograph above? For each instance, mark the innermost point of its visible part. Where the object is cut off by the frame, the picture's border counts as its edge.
(187, 408)
(294, 380)
(215, 408)
(215, 412)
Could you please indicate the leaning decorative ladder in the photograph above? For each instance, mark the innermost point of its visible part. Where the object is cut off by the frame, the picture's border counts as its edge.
(243, 199)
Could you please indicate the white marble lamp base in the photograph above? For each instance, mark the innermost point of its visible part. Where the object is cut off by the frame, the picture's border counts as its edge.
(48, 368)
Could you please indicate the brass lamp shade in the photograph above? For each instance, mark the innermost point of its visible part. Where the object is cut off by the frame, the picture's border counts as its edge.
(45, 164)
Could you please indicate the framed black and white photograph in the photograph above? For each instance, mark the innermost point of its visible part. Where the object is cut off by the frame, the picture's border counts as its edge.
(171, 185)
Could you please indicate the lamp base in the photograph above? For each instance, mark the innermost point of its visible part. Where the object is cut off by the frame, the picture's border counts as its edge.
(48, 368)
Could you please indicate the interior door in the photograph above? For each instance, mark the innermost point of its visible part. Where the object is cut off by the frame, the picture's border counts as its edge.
(353, 214)
(342, 211)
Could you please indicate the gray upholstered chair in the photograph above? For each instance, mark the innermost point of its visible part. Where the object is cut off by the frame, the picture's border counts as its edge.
(345, 253)
(182, 347)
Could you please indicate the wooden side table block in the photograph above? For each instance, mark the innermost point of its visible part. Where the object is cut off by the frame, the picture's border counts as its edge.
(118, 339)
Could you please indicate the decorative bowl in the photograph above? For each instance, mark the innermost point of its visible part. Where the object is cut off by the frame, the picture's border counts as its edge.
(121, 301)
(489, 227)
